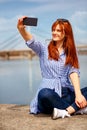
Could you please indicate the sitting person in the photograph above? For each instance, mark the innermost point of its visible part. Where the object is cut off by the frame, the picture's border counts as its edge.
(59, 92)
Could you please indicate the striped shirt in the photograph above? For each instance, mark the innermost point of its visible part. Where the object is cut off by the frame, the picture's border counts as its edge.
(55, 74)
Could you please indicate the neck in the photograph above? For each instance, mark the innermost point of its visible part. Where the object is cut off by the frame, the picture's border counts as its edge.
(60, 46)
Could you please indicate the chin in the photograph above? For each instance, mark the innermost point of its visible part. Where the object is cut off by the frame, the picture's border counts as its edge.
(54, 39)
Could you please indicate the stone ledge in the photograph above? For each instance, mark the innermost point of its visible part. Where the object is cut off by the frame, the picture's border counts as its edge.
(17, 117)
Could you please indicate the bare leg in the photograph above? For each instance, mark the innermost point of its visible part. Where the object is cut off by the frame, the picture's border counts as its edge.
(70, 110)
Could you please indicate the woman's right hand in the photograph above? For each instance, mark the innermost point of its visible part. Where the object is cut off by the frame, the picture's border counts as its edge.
(20, 25)
(22, 29)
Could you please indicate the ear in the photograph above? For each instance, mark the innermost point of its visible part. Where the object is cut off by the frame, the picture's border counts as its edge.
(63, 33)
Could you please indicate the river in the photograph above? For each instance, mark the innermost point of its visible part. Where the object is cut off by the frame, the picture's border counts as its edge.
(19, 79)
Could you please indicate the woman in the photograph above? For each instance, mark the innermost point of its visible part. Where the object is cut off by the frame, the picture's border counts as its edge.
(59, 92)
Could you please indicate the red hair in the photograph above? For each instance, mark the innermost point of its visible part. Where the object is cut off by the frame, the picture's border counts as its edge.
(68, 45)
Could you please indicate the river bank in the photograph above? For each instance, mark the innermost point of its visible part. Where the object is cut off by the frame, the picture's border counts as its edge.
(27, 54)
(17, 117)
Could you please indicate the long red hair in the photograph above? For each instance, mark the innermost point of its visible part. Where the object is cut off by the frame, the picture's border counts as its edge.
(68, 45)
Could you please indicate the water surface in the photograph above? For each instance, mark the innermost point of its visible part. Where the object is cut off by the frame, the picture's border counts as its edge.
(19, 79)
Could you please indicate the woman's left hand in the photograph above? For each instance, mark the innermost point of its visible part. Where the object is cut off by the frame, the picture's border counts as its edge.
(80, 101)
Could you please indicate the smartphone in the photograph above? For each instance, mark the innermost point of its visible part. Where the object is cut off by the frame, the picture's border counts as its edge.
(29, 21)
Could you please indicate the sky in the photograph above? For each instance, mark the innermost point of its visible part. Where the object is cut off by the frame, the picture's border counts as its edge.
(47, 11)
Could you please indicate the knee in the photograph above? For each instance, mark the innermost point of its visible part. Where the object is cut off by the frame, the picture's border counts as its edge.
(44, 93)
(84, 92)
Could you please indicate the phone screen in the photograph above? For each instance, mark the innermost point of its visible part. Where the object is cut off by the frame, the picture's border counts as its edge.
(30, 21)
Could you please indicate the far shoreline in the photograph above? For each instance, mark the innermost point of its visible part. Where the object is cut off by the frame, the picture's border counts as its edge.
(26, 55)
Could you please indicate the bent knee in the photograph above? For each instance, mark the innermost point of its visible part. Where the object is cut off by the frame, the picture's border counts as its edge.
(44, 93)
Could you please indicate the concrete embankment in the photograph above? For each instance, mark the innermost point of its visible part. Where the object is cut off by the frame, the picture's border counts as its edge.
(17, 117)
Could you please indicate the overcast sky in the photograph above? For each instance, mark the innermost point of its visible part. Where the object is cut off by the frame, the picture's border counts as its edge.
(47, 11)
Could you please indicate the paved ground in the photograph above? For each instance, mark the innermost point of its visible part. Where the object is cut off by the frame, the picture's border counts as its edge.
(16, 117)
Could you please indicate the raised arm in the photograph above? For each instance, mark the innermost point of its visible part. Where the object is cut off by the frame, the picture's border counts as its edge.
(22, 29)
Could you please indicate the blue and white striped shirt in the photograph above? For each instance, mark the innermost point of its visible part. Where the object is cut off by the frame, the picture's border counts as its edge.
(55, 74)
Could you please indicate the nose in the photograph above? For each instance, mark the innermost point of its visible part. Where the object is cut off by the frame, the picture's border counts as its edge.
(54, 32)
